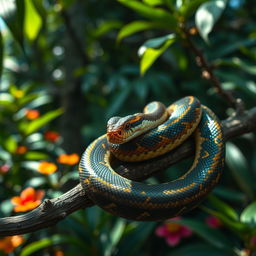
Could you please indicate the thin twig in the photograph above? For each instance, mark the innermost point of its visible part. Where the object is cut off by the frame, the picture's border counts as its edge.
(207, 71)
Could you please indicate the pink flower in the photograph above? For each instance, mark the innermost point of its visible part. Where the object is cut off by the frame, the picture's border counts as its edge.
(253, 240)
(252, 243)
(213, 222)
(4, 168)
(173, 232)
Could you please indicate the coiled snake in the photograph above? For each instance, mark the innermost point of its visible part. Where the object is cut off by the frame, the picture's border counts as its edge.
(140, 201)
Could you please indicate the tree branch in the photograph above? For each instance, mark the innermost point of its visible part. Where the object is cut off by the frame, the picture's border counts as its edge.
(207, 71)
(53, 210)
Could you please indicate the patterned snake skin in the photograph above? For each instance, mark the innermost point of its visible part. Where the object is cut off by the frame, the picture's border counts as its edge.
(147, 202)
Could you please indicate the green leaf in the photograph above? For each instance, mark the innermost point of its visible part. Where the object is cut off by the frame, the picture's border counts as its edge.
(41, 244)
(153, 2)
(68, 177)
(12, 12)
(6, 97)
(35, 155)
(138, 26)
(27, 98)
(223, 207)
(6, 207)
(4, 155)
(15, 92)
(237, 63)
(188, 8)
(235, 225)
(230, 194)
(117, 231)
(46, 242)
(106, 27)
(156, 14)
(198, 249)
(66, 3)
(157, 42)
(10, 144)
(1, 54)
(39, 101)
(36, 124)
(115, 236)
(36, 182)
(213, 236)
(40, 7)
(171, 4)
(31, 165)
(207, 15)
(236, 82)
(150, 55)
(239, 168)
(249, 214)
(33, 21)
(135, 236)
(231, 47)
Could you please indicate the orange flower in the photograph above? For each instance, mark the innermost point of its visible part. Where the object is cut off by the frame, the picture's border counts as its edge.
(51, 136)
(28, 200)
(32, 114)
(47, 167)
(68, 159)
(59, 253)
(9, 243)
(21, 150)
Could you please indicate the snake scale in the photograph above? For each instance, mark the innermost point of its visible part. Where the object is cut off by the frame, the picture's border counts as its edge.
(150, 202)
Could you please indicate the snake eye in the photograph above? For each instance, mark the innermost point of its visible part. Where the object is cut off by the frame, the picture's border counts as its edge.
(127, 126)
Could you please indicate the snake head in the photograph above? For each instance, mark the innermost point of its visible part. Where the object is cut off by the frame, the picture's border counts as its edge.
(123, 129)
(114, 133)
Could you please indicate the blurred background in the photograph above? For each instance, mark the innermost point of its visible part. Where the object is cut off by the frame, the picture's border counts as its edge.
(67, 66)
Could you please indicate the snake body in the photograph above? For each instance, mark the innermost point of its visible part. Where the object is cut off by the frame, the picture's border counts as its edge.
(145, 202)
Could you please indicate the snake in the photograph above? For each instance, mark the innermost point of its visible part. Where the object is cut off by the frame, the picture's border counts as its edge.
(147, 135)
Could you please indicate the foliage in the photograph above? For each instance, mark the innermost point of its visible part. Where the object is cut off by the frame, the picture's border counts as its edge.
(67, 66)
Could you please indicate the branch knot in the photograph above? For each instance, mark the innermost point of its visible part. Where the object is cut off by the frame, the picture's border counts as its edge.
(47, 205)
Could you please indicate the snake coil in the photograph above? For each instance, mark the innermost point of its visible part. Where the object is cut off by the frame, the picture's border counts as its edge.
(146, 202)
